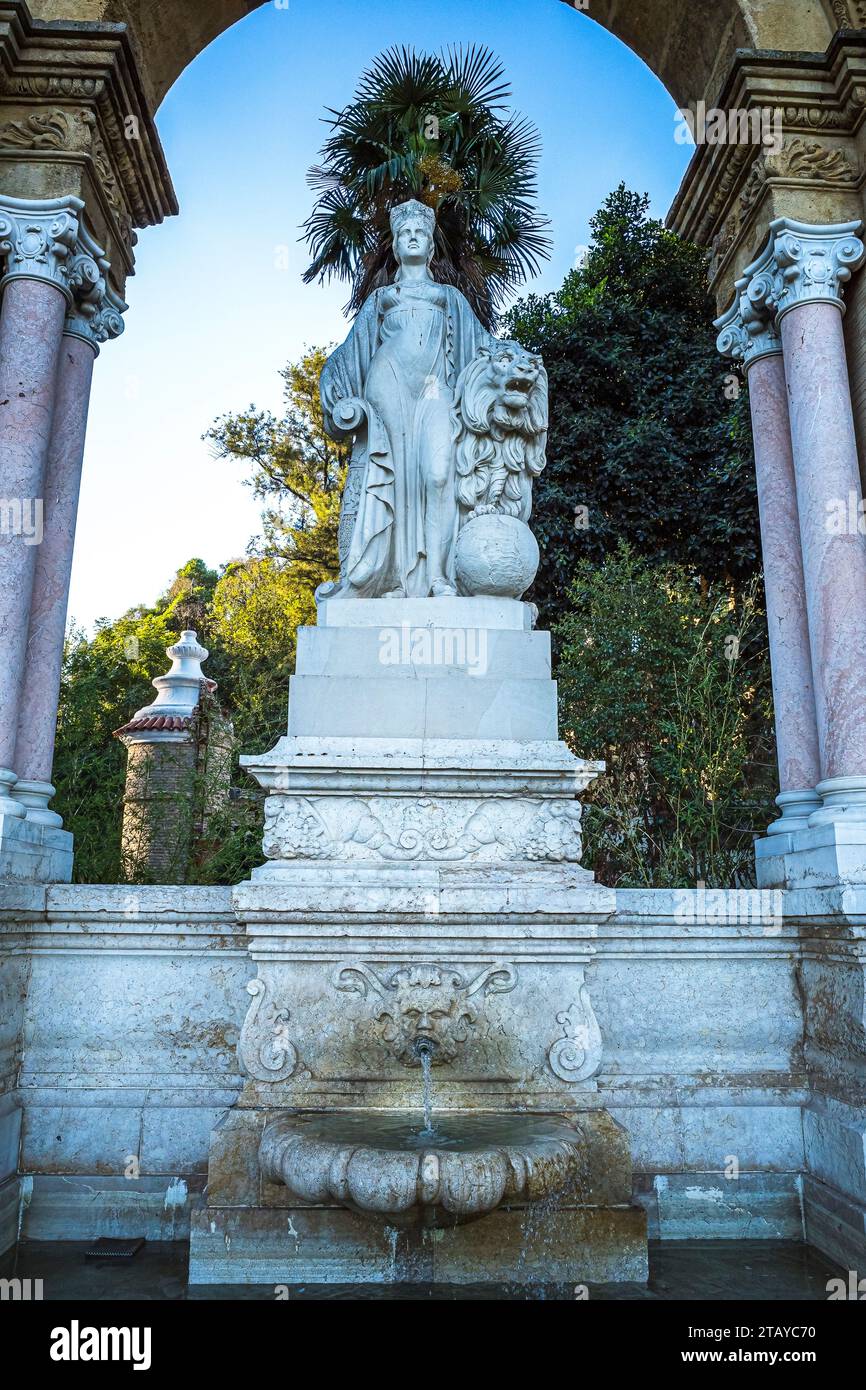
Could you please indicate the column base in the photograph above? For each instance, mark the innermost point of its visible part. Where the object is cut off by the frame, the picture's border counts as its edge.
(828, 855)
(33, 853)
(8, 805)
(843, 802)
(771, 851)
(816, 843)
(796, 808)
(34, 797)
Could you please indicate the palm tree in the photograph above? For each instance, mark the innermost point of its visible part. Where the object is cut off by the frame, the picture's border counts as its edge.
(436, 128)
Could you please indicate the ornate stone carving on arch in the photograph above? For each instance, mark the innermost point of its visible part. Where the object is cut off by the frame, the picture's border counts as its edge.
(848, 14)
(74, 115)
(743, 53)
(692, 60)
(812, 167)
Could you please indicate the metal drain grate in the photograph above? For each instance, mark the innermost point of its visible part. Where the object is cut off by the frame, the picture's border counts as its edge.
(106, 1248)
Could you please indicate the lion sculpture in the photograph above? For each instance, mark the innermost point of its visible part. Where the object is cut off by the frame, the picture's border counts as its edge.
(500, 410)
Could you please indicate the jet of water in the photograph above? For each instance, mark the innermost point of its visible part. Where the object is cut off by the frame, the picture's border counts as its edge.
(424, 1049)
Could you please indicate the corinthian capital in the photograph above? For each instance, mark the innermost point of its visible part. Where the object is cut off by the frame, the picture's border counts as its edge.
(96, 311)
(748, 330)
(38, 237)
(812, 263)
(47, 239)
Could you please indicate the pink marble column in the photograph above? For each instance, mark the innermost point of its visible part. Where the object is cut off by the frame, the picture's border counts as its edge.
(790, 657)
(748, 334)
(834, 561)
(31, 325)
(37, 717)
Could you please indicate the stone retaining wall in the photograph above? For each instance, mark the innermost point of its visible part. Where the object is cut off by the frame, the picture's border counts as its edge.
(733, 1037)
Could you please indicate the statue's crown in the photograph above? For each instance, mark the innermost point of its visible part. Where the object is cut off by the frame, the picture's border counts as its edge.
(412, 208)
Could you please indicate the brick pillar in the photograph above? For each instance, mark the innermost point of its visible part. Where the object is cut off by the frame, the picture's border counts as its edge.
(173, 775)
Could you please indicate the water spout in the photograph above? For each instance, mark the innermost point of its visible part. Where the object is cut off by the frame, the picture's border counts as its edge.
(423, 1048)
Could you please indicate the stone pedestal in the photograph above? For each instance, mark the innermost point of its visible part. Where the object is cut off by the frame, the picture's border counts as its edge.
(32, 852)
(423, 879)
(421, 732)
(824, 856)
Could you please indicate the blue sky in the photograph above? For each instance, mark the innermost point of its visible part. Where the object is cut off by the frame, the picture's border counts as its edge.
(217, 305)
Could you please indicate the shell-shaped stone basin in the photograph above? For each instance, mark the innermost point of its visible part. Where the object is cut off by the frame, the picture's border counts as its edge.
(385, 1164)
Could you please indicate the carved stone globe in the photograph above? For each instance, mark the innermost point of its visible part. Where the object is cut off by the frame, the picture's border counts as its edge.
(496, 554)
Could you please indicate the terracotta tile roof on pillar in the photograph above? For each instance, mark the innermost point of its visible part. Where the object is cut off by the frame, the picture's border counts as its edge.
(170, 723)
(180, 691)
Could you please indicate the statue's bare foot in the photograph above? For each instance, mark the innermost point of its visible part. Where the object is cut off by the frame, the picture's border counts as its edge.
(440, 588)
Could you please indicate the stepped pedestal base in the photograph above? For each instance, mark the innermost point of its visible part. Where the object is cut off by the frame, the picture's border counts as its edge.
(832, 855)
(33, 852)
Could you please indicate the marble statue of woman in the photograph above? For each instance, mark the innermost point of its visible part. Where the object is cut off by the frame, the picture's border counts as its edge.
(392, 385)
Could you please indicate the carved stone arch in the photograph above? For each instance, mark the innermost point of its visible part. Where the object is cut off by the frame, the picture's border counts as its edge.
(691, 58)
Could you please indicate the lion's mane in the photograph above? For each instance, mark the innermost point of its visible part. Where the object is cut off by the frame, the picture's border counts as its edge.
(500, 448)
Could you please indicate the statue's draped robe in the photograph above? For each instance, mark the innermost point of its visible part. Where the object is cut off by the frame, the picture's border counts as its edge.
(403, 410)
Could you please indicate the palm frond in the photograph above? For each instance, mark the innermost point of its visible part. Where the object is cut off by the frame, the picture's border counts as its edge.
(476, 164)
(474, 79)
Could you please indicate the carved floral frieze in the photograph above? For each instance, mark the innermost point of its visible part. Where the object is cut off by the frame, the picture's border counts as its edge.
(800, 159)
(405, 829)
(73, 97)
(849, 14)
(48, 130)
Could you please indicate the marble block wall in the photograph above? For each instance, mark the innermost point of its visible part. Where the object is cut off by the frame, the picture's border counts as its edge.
(733, 1053)
(14, 979)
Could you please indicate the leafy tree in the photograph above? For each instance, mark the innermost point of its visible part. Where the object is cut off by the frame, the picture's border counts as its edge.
(257, 607)
(436, 128)
(105, 679)
(296, 470)
(646, 444)
(189, 595)
(668, 680)
(246, 615)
